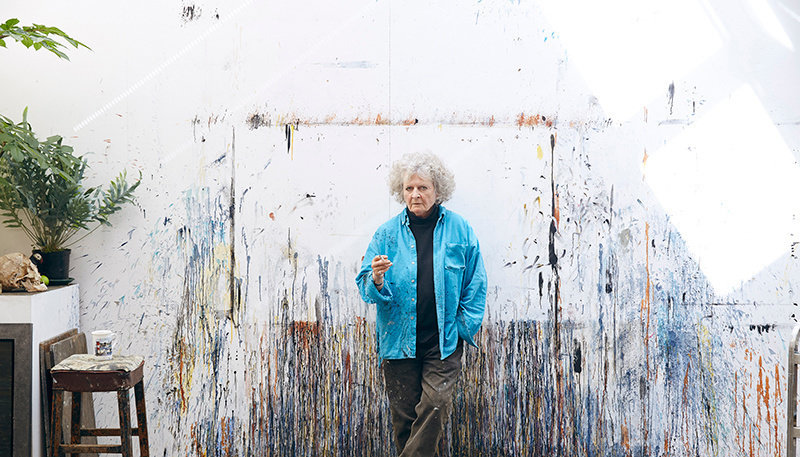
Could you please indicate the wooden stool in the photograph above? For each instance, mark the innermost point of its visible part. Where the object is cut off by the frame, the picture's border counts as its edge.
(86, 373)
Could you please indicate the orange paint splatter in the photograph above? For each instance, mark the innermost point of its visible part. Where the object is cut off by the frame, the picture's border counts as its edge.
(759, 395)
(491, 121)
(778, 398)
(626, 439)
(410, 121)
(272, 216)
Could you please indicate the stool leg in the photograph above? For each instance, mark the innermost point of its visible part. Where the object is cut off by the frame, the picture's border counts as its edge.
(55, 421)
(75, 423)
(141, 419)
(125, 421)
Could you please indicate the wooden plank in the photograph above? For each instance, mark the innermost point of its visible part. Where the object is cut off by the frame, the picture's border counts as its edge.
(91, 449)
(46, 382)
(75, 344)
(107, 432)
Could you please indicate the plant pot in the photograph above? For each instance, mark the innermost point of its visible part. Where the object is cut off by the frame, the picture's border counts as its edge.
(54, 265)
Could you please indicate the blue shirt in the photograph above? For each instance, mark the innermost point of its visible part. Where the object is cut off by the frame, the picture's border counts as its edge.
(459, 282)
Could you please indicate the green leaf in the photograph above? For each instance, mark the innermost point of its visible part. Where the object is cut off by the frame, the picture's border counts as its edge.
(46, 37)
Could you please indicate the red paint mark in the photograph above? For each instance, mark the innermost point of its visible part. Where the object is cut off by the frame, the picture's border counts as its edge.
(305, 332)
(491, 121)
(528, 121)
(348, 374)
(181, 367)
(778, 398)
(272, 216)
(410, 121)
(108, 140)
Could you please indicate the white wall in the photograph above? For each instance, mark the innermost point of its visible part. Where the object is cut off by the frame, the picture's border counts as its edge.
(672, 183)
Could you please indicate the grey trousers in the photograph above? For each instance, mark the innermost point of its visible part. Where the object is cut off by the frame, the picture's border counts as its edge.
(420, 392)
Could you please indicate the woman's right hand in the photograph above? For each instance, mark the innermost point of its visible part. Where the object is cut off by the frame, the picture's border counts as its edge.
(380, 264)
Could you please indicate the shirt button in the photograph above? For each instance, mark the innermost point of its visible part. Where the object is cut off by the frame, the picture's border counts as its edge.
(412, 280)
(413, 299)
(412, 263)
(412, 246)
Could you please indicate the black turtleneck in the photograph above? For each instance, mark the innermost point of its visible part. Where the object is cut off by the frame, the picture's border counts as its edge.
(427, 325)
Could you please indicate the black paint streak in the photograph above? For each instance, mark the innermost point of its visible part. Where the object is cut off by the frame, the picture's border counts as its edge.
(671, 91)
(256, 120)
(576, 358)
(762, 328)
(555, 410)
(190, 13)
(553, 229)
(541, 283)
(234, 284)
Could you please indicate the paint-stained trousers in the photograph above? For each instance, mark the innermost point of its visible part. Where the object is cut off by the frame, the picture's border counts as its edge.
(420, 392)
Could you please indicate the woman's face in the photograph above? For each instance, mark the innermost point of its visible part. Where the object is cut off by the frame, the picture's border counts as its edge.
(419, 194)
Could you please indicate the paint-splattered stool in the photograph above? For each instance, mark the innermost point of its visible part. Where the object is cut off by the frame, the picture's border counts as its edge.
(86, 373)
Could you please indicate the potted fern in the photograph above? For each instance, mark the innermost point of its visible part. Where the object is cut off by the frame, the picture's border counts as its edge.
(41, 182)
(42, 193)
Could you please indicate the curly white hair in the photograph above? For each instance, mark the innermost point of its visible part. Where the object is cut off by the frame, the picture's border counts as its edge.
(425, 165)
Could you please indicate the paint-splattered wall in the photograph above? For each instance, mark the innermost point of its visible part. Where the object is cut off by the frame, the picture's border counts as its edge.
(631, 171)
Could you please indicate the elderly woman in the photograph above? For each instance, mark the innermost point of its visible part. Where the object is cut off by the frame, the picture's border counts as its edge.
(423, 269)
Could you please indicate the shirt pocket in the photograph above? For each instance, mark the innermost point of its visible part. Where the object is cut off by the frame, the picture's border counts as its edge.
(455, 256)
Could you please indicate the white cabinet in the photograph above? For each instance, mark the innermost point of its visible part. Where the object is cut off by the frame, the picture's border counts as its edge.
(25, 321)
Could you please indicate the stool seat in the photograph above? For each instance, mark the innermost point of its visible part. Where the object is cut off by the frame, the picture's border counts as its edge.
(88, 373)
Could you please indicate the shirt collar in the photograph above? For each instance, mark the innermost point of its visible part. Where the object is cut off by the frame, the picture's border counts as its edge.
(404, 215)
